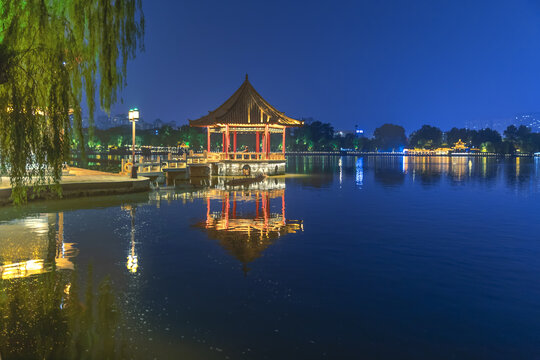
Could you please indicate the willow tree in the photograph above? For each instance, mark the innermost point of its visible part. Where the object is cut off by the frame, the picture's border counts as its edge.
(56, 56)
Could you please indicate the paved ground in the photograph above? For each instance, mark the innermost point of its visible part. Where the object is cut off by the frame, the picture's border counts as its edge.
(78, 175)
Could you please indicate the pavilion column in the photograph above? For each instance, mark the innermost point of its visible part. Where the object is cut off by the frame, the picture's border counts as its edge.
(257, 143)
(283, 142)
(227, 140)
(269, 147)
(234, 141)
(208, 139)
(266, 141)
(223, 141)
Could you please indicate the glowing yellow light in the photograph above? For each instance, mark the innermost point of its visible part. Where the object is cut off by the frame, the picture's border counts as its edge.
(22, 269)
(132, 263)
(133, 114)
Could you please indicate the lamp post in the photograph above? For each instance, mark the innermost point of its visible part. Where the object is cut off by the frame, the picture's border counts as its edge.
(133, 117)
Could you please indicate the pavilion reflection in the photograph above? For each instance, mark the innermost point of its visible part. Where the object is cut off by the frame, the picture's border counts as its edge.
(34, 245)
(246, 221)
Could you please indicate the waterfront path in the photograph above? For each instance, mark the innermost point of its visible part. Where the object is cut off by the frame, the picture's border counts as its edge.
(83, 182)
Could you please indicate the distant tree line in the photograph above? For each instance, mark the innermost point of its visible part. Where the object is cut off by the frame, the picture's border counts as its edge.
(118, 137)
(319, 136)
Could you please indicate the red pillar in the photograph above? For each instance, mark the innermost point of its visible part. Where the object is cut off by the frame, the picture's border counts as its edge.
(283, 142)
(223, 141)
(208, 139)
(257, 143)
(234, 142)
(266, 142)
(268, 146)
(227, 140)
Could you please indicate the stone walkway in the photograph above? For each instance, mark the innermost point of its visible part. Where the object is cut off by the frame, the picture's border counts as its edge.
(84, 182)
(78, 175)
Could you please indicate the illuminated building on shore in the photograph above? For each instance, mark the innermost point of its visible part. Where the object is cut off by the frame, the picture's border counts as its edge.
(459, 147)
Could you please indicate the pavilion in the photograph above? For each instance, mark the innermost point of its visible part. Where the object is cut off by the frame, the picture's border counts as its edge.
(246, 112)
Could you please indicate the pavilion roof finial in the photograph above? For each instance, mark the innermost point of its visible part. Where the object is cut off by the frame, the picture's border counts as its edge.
(246, 77)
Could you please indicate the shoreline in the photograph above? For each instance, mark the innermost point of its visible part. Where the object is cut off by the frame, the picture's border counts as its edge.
(371, 153)
(83, 183)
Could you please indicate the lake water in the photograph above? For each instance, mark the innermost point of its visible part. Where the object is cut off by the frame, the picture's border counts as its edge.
(374, 257)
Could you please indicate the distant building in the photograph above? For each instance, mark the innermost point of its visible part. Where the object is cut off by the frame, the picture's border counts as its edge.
(358, 132)
(531, 120)
(342, 133)
(119, 120)
(499, 124)
(158, 124)
(105, 122)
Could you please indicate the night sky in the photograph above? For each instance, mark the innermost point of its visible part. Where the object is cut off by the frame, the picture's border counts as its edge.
(358, 62)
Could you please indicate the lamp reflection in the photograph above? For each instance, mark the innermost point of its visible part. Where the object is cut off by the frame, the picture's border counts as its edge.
(132, 263)
(359, 174)
(340, 164)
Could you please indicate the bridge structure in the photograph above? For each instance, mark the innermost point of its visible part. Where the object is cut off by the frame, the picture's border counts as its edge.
(171, 168)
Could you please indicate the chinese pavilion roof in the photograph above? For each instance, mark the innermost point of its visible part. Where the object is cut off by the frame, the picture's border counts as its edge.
(245, 107)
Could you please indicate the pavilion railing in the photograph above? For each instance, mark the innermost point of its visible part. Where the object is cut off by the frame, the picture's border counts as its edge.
(245, 156)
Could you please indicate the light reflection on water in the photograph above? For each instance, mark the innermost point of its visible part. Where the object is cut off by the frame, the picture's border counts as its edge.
(364, 256)
(34, 245)
(245, 225)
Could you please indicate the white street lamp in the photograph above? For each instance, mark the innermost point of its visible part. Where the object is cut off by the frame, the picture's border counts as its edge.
(133, 117)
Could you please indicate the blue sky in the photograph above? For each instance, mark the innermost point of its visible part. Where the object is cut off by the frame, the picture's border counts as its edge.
(344, 62)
